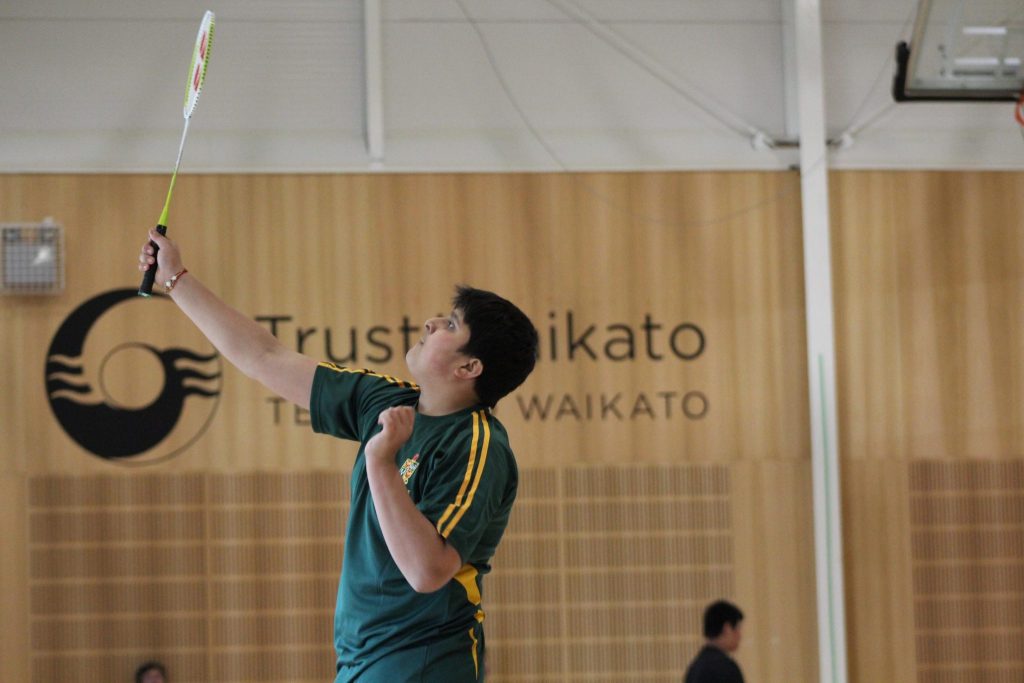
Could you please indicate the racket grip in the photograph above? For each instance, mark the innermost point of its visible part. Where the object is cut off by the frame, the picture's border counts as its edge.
(146, 288)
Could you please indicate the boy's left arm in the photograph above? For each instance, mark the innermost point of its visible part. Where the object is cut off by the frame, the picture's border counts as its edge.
(425, 559)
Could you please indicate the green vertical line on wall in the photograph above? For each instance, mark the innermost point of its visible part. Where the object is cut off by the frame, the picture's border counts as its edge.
(828, 512)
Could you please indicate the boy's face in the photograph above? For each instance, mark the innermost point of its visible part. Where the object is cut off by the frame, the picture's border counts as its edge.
(436, 355)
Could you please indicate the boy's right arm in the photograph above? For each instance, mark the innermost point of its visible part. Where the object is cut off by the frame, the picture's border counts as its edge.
(245, 343)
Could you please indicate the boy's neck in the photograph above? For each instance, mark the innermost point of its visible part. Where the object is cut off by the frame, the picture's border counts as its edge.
(437, 404)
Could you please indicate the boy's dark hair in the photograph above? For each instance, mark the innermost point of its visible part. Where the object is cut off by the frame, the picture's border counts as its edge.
(501, 336)
(717, 615)
(147, 667)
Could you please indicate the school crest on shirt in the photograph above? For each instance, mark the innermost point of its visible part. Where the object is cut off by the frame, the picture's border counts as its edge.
(409, 468)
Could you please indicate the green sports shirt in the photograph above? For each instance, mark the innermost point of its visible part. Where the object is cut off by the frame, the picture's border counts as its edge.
(462, 475)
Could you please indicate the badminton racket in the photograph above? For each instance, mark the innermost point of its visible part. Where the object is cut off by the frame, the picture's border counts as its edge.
(196, 76)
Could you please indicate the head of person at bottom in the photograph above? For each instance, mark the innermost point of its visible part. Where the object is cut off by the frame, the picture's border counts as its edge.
(151, 672)
(480, 352)
(723, 625)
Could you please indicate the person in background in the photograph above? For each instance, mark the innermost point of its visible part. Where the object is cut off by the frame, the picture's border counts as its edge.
(722, 628)
(151, 672)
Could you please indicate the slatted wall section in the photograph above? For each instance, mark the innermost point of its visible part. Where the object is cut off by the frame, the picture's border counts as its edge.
(967, 530)
(622, 561)
(602, 576)
(275, 547)
(222, 577)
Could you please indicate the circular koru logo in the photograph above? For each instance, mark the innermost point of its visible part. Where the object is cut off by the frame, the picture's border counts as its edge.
(127, 386)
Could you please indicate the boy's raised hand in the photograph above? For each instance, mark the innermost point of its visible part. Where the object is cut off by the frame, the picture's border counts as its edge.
(397, 423)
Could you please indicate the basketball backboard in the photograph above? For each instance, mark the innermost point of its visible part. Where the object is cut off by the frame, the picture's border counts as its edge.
(963, 50)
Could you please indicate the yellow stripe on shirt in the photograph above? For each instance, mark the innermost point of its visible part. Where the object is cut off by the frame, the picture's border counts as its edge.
(476, 658)
(465, 480)
(466, 576)
(370, 373)
(476, 481)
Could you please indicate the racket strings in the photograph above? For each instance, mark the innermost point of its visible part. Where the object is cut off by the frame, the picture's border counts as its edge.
(200, 61)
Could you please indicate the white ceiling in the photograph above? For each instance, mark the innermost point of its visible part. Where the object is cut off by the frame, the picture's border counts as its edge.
(468, 85)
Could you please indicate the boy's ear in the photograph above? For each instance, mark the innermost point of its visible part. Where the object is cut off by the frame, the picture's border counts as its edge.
(471, 369)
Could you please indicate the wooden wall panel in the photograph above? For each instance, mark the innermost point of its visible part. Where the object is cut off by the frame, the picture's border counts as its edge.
(878, 571)
(598, 571)
(625, 578)
(717, 252)
(227, 566)
(222, 558)
(774, 570)
(929, 268)
(597, 560)
(14, 573)
(929, 313)
(968, 568)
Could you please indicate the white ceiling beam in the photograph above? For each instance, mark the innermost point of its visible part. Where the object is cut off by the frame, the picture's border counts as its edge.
(789, 75)
(374, 80)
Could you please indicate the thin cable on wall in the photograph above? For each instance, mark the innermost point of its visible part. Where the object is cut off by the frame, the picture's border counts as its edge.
(582, 181)
(852, 127)
(708, 105)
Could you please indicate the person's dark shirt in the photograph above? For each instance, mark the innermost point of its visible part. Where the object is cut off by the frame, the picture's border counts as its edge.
(711, 665)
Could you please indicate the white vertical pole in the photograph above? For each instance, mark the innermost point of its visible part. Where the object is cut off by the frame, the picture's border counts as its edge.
(789, 71)
(373, 68)
(821, 365)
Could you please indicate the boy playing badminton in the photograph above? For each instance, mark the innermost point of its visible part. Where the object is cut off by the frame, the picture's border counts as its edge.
(433, 482)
